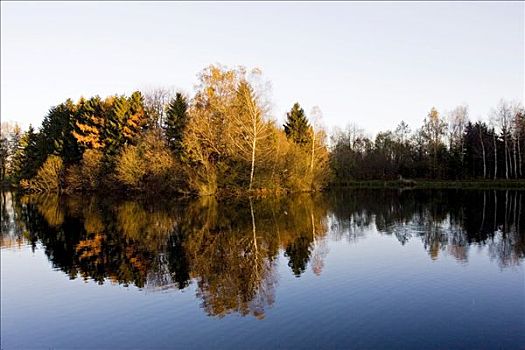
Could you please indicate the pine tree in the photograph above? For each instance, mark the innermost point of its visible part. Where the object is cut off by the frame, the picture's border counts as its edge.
(176, 121)
(57, 132)
(31, 156)
(136, 119)
(90, 123)
(116, 118)
(18, 149)
(4, 155)
(297, 127)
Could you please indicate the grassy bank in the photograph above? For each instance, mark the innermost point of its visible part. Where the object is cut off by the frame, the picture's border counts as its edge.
(473, 184)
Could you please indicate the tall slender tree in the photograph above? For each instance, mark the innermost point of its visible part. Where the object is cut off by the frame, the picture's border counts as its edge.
(250, 126)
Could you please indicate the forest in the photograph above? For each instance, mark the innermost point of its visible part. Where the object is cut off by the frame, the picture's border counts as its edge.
(225, 140)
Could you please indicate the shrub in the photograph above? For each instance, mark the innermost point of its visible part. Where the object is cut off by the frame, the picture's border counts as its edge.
(147, 165)
(49, 178)
(86, 175)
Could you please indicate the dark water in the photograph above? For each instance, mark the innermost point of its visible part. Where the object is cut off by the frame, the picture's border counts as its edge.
(347, 269)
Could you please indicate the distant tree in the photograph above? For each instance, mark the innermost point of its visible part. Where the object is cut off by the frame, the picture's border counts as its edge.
(502, 115)
(10, 137)
(433, 131)
(476, 140)
(4, 154)
(403, 148)
(155, 102)
(316, 115)
(457, 121)
(517, 126)
(385, 155)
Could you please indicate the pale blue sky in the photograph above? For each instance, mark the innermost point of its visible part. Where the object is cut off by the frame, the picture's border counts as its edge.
(372, 64)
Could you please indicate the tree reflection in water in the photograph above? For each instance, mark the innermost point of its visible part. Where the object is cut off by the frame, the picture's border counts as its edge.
(445, 220)
(229, 248)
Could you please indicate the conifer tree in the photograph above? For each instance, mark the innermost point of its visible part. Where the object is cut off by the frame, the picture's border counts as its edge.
(176, 121)
(31, 156)
(57, 132)
(90, 123)
(297, 127)
(4, 155)
(115, 121)
(136, 119)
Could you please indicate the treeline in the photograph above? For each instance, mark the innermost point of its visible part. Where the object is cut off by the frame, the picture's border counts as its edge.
(449, 147)
(224, 140)
(220, 140)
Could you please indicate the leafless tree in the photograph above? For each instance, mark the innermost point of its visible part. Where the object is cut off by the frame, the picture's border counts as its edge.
(316, 117)
(155, 102)
(458, 119)
(502, 115)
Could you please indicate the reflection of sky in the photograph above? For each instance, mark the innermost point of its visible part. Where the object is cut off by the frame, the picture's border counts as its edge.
(373, 292)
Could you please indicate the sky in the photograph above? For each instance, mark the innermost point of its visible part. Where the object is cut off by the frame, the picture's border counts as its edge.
(370, 64)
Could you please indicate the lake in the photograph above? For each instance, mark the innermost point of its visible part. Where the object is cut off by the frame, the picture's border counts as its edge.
(348, 268)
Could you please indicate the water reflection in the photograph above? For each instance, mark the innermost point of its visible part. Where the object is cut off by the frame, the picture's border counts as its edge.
(445, 220)
(229, 248)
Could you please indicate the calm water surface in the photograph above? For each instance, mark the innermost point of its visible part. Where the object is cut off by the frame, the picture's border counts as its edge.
(347, 269)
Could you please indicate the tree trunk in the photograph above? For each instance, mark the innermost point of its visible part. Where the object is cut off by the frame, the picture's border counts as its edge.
(484, 159)
(515, 159)
(519, 157)
(509, 155)
(253, 151)
(313, 151)
(505, 154)
(495, 157)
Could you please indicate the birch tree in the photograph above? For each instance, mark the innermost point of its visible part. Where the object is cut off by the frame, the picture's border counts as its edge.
(316, 116)
(503, 117)
(250, 125)
(458, 119)
(155, 102)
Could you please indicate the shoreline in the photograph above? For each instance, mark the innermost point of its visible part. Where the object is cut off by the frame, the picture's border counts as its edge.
(261, 193)
(433, 184)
